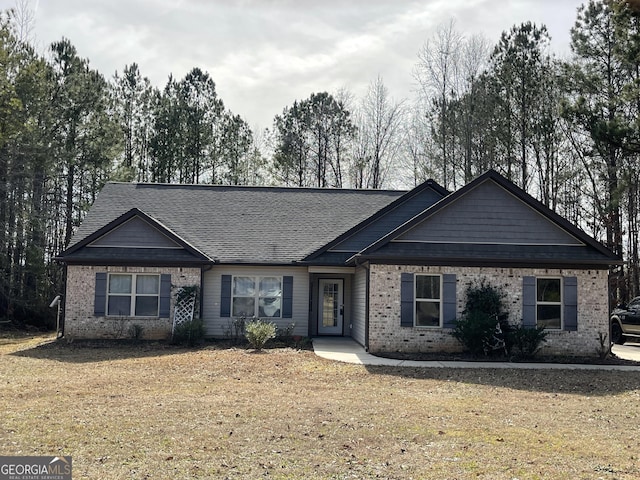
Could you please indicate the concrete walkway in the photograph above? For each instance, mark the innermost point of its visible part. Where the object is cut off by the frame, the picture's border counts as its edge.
(344, 349)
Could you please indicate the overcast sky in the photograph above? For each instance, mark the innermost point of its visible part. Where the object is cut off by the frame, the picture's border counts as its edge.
(264, 54)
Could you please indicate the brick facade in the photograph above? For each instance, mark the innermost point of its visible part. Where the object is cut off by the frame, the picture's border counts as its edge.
(80, 321)
(386, 334)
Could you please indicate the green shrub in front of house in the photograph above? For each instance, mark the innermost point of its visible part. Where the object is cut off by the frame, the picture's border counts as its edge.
(189, 333)
(481, 329)
(528, 341)
(285, 335)
(475, 330)
(484, 327)
(259, 332)
(486, 298)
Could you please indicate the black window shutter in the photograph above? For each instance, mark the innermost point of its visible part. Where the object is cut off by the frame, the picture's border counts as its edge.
(449, 300)
(225, 296)
(165, 295)
(287, 297)
(406, 299)
(529, 302)
(100, 295)
(570, 301)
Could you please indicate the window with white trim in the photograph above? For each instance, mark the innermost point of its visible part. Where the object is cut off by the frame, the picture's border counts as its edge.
(133, 295)
(256, 296)
(428, 300)
(549, 302)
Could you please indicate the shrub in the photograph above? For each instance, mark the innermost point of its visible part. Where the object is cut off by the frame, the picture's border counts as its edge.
(484, 298)
(259, 332)
(484, 310)
(299, 341)
(238, 326)
(527, 340)
(604, 349)
(117, 327)
(475, 331)
(135, 332)
(285, 335)
(189, 333)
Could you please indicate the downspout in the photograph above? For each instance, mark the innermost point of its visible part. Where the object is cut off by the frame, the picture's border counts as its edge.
(365, 265)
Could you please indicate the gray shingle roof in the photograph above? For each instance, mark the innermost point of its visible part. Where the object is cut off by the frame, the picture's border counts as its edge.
(241, 224)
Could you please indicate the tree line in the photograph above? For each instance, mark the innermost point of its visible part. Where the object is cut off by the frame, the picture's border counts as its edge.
(565, 130)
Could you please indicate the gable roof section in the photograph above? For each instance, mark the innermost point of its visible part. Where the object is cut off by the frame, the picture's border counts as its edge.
(135, 232)
(134, 237)
(239, 225)
(488, 213)
(490, 221)
(379, 224)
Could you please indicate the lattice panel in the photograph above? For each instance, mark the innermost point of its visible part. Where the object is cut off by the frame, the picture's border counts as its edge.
(183, 311)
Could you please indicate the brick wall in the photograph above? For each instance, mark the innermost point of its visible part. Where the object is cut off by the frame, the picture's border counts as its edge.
(80, 321)
(386, 334)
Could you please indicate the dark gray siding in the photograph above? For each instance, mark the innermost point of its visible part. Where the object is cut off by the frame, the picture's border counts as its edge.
(388, 222)
(135, 233)
(489, 214)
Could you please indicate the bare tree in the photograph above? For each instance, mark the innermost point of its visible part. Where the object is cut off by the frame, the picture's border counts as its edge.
(437, 73)
(25, 20)
(418, 147)
(379, 139)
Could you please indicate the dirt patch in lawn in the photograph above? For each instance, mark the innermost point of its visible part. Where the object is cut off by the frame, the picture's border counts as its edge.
(156, 411)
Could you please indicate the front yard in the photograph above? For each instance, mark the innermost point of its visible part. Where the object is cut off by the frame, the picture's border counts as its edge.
(160, 412)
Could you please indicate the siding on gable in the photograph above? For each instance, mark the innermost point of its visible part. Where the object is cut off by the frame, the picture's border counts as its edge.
(135, 233)
(489, 214)
(388, 222)
(359, 306)
(219, 327)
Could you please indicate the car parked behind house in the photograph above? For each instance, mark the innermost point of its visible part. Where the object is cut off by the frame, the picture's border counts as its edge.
(625, 321)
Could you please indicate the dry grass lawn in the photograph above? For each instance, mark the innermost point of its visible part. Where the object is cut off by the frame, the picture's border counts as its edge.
(160, 412)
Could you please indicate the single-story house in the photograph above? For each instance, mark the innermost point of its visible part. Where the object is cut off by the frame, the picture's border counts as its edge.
(387, 268)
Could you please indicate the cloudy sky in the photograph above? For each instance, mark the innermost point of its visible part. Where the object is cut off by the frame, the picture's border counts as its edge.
(264, 54)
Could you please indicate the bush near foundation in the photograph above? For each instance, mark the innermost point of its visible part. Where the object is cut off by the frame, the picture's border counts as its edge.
(483, 327)
(259, 332)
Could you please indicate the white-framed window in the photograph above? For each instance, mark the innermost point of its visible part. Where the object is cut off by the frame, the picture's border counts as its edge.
(428, 300)
(549, 302)
(133, 295)
(256, 296)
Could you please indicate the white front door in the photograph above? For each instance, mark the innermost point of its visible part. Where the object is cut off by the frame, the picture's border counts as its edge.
(330, 307)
